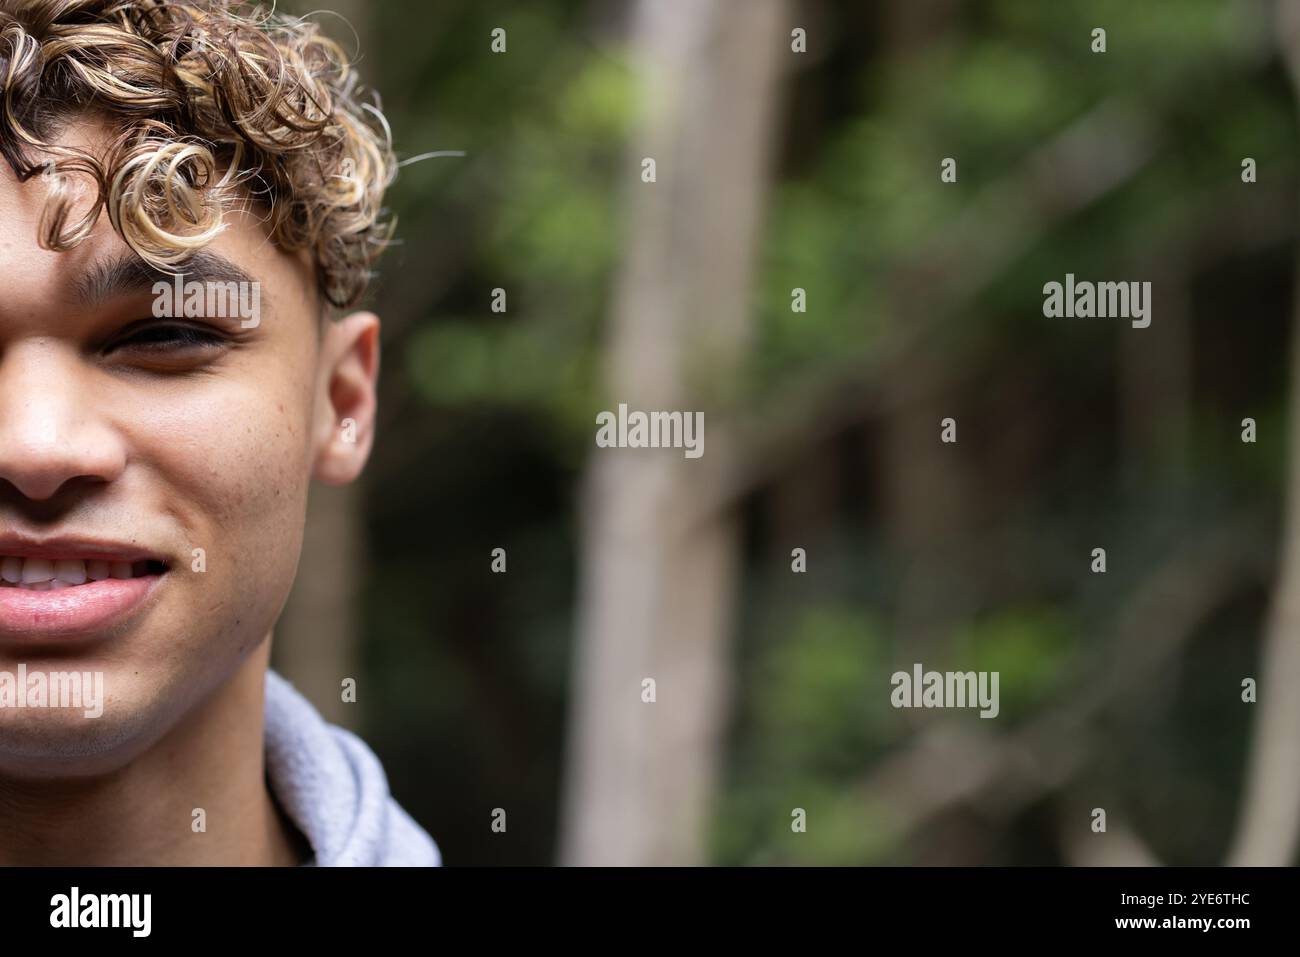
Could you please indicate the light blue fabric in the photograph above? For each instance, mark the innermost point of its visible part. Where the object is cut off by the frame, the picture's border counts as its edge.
(333, 788)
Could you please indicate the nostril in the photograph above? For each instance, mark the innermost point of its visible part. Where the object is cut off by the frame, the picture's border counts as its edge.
(44, 489)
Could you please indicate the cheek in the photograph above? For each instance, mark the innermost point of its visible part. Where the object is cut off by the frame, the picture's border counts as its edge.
(232, 460)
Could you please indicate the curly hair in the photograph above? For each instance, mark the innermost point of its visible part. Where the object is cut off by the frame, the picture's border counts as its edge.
(211, 102)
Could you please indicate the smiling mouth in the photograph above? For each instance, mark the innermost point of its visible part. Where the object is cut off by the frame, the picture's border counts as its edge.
(44, 574)
(72, 591)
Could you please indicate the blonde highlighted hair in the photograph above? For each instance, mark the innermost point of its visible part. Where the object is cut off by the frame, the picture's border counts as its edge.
(212, 103)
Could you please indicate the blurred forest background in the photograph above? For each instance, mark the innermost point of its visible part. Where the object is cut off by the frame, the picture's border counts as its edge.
(819, 170)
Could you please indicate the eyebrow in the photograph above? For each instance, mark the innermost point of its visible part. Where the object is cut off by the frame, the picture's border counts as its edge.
(128, 274)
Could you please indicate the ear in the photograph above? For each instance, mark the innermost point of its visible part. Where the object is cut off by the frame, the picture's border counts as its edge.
(345, 400)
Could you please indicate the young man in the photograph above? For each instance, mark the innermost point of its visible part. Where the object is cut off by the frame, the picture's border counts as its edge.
(190, 199)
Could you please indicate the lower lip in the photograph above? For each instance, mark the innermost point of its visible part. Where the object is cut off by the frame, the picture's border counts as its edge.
(77, 610)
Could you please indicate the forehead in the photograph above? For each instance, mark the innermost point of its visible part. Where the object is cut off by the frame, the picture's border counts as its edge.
(34, 278)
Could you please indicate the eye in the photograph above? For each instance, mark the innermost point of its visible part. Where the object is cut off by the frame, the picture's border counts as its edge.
(162, 337)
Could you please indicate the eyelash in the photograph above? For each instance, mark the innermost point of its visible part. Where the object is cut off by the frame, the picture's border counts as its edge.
(168, 337)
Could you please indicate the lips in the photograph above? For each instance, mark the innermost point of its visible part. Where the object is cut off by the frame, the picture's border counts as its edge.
(64, 588)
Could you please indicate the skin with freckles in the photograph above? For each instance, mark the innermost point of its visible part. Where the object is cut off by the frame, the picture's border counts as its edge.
(166, 435)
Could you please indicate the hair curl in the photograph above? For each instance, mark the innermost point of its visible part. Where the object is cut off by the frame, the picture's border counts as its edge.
(211, 102)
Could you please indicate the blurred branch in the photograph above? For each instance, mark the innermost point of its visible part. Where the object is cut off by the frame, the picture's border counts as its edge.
(1092, 157)
(827, 401)
(949, 764)
(1121, 848)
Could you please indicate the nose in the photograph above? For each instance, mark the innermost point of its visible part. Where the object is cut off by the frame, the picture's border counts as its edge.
(53, 433)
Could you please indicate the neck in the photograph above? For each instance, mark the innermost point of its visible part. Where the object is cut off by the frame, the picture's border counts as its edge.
(145, 812)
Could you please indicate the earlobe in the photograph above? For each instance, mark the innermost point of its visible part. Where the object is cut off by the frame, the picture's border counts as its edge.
(346, 405)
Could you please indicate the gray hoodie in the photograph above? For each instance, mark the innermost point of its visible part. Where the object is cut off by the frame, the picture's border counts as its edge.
(333, 788)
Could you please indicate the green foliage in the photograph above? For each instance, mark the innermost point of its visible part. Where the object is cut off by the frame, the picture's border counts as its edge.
(817, 712)
(1030, 648)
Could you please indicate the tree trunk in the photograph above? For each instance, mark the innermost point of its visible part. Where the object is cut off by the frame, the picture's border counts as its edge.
(316, 640)
(655, 596)
(1269, 821)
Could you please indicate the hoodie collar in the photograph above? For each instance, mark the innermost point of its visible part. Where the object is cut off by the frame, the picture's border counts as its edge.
(333, 788)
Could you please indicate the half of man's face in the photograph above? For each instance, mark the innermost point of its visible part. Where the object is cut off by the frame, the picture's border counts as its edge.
(154, 464)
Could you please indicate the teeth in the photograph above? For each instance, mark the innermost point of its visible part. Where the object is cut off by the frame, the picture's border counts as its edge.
(43, 574)
(70, 570)
(37, 570)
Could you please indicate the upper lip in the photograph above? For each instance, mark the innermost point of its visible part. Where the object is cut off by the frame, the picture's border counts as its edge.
(73, 547)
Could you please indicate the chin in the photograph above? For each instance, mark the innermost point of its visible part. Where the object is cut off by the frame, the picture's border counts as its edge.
(57, 735)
